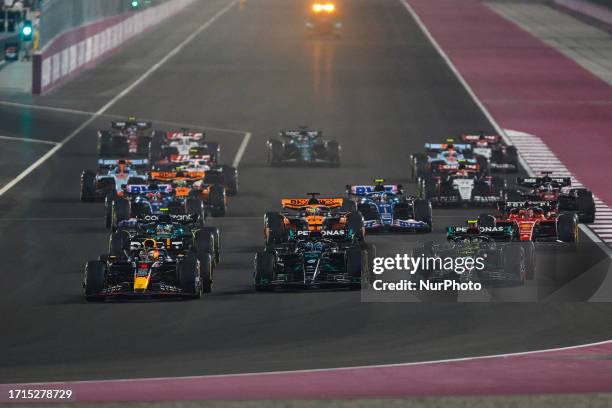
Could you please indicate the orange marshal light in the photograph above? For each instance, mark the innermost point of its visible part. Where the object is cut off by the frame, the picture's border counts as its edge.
(323, 7)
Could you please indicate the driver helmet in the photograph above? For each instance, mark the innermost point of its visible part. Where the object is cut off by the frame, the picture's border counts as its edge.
(313, 211)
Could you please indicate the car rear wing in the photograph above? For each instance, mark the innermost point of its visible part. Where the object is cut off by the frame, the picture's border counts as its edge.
(496, 232)
(293, 133)
(108, 162)
(297, 203)
(362, 190)
(509, 205)
(538, 181)
(193, 135)
(177, 175)
(438, 147)
(184, 219)
(476, 137)
(139, 189)
(120, 125)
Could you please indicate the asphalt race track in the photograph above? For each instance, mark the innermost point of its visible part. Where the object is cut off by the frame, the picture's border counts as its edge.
(382, 90)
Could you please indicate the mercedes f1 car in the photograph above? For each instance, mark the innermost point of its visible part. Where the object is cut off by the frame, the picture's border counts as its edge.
(112, 176)
(153, 258)
(316, 242)
(130, 138)
(303, 146)
(462, 187)
(385, 208)
(500, 157)
(559, 191)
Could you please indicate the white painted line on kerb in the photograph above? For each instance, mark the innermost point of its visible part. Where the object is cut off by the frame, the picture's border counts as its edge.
(28, 140)
(242, 149)
(117, 98)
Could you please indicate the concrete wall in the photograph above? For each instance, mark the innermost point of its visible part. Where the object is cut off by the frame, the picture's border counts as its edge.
(84, 47)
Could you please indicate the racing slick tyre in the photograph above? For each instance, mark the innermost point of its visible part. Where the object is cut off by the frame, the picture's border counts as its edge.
(515, 263)
(486, 220)
(105, 144)
(419, 166)
(217, 239)
(586, 206)
(168, 151)
(108, 211)
(117, 243)
(356, 265)
(264, 271)
(155, 149)
(354, 223)
(206, 272)
(94, 281)
(193, 205)
(142, 150)
(422, 212)
(348, 205)
(204, 243)
(120, 211)
(216, 200)
(275, 152)
(230, 179)
(88, 186)
(187, 276)
(512, 157)
(371, 251)
(274, 228)
(484, 165)
(567, 228)
(333, 153)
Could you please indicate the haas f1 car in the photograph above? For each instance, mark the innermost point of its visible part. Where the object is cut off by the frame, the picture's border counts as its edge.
(559, 191)
(462, 187)
(125, 139)
(303, 147)
(315, 242)
(154, 258)
(385, 208)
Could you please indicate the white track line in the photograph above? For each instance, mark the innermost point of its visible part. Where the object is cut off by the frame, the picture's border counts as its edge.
(117, 98)
(28, 140)
(242, 149)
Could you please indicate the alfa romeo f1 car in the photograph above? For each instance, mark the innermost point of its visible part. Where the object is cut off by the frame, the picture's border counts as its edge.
(112, 176)
(303, 146)
(445, 158)
(462, 187)
(500, 157)
(385, 208)
(559, 191)
(316, 242)
(130, 138)
(324, 20)
(154, 259)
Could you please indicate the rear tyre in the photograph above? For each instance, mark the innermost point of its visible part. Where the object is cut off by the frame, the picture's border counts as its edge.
(567, 229)
(486, 220)
(216, 200)
(354, 223)
(264, 271)
(105, 144)
(217, 253)
(88, 186)
(333, 153)
(95, 281)
(118, 242)
(274, 228)
(206, 272)
(586, 206)
(275, 152)
(188, 277)
(422, 212)
(230, 177)
(348, 205)
(120, 211)
(204, 243)
(515, 263)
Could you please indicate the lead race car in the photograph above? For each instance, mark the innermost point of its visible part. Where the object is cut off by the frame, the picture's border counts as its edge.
(111, 176)
(314, 243)
(303, 147)
(126, 139)
(446, 158)
(558, 191)
(158, 257)
(323, 19)
(385, 207)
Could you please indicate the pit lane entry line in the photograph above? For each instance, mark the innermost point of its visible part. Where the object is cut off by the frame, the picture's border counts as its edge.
(118, 97)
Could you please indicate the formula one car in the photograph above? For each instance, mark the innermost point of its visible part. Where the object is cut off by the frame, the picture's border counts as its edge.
(445, 158)
(323, 19)
(385, 208)
(537, 221)
(153, 199)
(559, 191)
(111, 176)
(181, 145)
(502, 261)
(501, 157)
(130, 138)
(462, 187)
(315, 243)
(153, 259)
(206, 186)
(303, 146)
